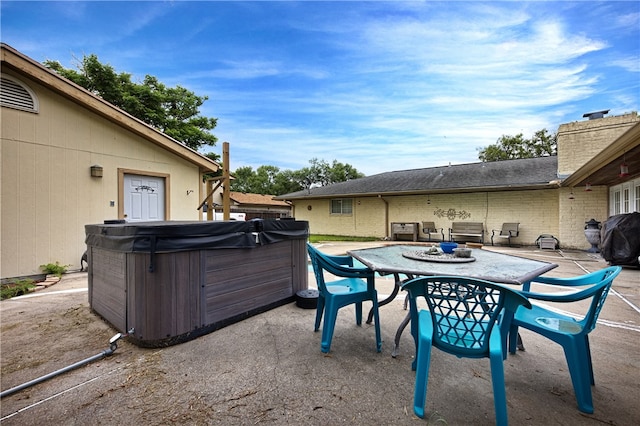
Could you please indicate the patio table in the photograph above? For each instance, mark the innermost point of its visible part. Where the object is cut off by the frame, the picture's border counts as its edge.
(487, 265)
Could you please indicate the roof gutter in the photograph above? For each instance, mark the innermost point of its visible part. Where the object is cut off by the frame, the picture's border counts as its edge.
(550, 185)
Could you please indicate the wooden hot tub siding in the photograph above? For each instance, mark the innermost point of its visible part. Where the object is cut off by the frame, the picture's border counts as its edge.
(191, 293)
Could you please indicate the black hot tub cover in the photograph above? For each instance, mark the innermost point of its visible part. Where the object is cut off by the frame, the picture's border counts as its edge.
(169, 236)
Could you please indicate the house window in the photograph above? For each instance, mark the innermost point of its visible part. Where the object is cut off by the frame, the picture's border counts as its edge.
(342, 206)
(615, 200)
(625, 198)
(16, 94)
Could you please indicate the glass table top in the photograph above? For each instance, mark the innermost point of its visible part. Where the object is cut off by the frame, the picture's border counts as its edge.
(491, 266)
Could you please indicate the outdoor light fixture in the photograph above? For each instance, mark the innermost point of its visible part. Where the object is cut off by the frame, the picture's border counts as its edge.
(571, 196)
(96, 171)
(587, 187)
(624, 169)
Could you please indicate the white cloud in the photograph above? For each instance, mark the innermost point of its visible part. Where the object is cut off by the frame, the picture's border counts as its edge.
(379, 85)
(629, 63)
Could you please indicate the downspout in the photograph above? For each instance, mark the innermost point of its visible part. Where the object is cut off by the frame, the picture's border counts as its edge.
(386, 217)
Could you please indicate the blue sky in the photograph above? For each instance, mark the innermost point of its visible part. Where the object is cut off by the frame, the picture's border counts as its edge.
(379, 85)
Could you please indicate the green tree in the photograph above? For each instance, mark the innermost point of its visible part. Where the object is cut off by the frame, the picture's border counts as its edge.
(213, 156)
(321, 173)
(264, 179)
(290, 181)
(273, 181)
(174, 111)
(339, 172)
(512, 147)
(243, 180)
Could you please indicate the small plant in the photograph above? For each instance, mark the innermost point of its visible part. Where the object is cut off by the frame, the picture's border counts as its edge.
(54, 269)
(16, 288)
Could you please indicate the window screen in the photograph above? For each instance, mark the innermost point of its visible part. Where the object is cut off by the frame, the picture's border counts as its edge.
(342, 206)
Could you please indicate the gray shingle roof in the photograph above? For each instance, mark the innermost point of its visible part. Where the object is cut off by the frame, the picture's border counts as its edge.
(528, 173)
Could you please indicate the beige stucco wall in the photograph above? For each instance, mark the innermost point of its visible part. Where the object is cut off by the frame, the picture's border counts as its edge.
(580, 141)
(47, 193)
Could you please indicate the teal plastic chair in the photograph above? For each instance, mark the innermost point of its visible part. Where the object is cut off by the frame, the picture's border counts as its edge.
(355, 286)
(572, 334)
(464, 319)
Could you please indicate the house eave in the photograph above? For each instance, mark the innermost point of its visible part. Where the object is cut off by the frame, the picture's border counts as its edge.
(603, 169)
(24, 65)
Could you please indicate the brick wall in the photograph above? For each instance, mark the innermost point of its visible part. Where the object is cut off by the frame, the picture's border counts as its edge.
(537, 212)
(580, 141)
(577, 209)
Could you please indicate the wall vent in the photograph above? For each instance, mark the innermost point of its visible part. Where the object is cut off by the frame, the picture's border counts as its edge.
(15, 94)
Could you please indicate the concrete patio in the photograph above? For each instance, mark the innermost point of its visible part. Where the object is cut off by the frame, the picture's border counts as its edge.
(269, 368)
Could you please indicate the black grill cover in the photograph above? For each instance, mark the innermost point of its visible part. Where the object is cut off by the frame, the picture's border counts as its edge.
(621, 239)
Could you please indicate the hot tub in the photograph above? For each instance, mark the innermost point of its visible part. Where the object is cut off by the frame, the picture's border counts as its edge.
(170, 282)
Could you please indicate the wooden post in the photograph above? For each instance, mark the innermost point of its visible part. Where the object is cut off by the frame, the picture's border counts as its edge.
(226, 199)
(210, 211)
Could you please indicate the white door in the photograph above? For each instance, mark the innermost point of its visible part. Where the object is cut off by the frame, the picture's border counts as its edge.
(143, 198)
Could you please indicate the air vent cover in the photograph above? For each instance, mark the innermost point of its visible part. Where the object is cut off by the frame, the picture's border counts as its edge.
(14, 94)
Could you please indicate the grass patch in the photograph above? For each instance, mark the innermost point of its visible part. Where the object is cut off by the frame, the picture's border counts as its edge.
(316, 238)
(54, 269)
(16, 288)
